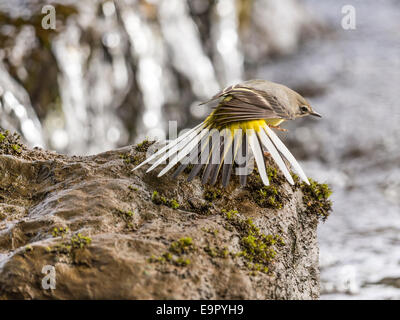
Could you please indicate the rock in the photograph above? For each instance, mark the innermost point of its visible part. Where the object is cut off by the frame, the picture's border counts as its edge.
(111, 233)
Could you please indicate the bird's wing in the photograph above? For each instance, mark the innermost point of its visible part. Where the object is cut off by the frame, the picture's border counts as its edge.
(242, 103)
(219, 94)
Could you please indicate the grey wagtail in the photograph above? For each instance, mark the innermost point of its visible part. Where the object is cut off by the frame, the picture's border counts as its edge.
(242, 118)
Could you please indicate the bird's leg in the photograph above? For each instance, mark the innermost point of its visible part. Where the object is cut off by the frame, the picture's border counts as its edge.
(278, 128)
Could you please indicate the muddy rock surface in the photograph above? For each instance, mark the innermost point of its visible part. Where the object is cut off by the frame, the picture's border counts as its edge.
(110, 233)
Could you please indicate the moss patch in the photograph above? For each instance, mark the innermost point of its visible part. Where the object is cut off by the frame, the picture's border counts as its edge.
(213, 232)
(215, 252)
(132, 159)
(144, 145)
(77, 241)
(181, 246)
(10, 143)
(272, 196)
(212, 193)
(127, 216)
(59, 232)
(268, 197)
(132, 188)
(158, 199)
(316, 199)
(177, 253)
(258, 249)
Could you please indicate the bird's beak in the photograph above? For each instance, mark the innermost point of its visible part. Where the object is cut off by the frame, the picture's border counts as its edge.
(315, 114)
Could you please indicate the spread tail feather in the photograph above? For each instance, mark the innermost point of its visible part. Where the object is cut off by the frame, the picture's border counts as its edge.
(169, 146)
(258, 155)
(275, 155)
(218, 152)
(286, 153)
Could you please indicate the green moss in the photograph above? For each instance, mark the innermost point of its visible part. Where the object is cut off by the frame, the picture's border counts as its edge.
(144, 145)
(268, 197)
(174, 204)
(271, 196)
(258, 249)
(132, 188)
(296, 179)
(136, 160)
(156, 198)
(215, 252)
(16, 148)
(181, 246)
(10, 143)
(256, 267)
(177, 253)
(60, 232)
(212, 193)
(272, 174)
(167, 256)
(182, 262)
(318, 190)
(316, 198)
(77, 241)
(131, 159)
(213, 232)
(126, 214)
(230, 214)
(125, 157)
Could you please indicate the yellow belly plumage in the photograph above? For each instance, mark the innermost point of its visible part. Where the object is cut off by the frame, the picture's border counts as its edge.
(256, 125)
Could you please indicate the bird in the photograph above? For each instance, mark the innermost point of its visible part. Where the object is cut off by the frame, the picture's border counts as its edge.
(236, 131)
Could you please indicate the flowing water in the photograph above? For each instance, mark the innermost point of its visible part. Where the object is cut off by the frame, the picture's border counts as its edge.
(355, 146)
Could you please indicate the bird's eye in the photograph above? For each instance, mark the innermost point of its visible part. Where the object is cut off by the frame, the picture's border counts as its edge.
(303, 109)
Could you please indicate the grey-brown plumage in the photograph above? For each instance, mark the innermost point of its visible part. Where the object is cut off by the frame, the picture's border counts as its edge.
(259, 99)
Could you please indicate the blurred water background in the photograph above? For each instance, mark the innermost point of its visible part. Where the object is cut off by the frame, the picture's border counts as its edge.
(114, 72)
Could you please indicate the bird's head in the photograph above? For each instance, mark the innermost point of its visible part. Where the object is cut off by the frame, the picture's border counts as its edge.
(304, 109)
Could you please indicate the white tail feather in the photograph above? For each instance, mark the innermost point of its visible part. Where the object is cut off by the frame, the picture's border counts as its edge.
(175, 148)
(256, 148)
(168, 146)
(228, 140)
(189, 147)
(275, 155)
(285, 151)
